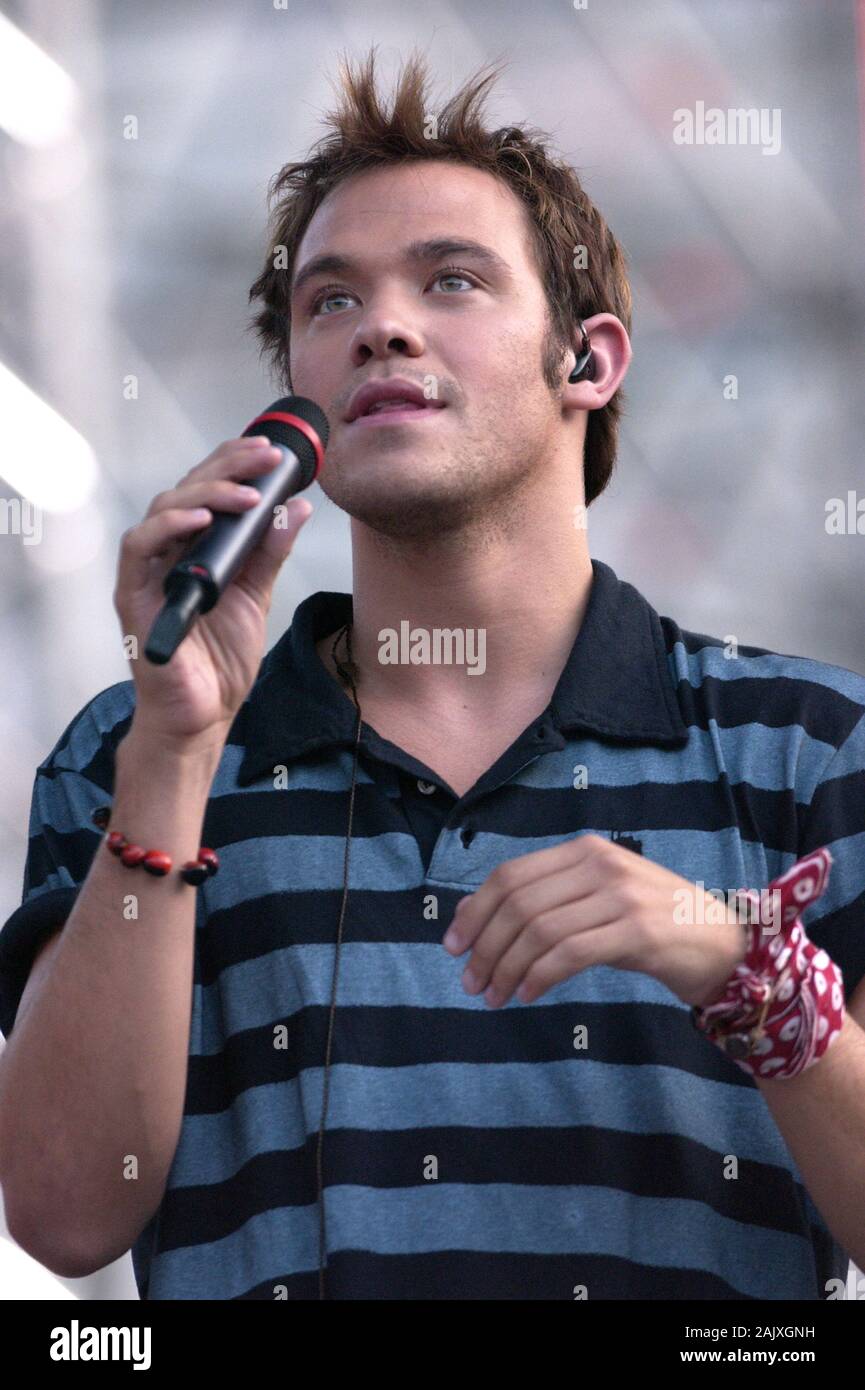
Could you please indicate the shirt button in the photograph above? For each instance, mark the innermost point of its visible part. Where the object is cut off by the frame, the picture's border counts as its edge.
(426, 787)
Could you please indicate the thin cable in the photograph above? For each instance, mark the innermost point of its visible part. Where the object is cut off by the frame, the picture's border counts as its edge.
(347, 672)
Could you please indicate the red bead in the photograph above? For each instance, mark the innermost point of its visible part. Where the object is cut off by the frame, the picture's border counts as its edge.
(156, 862)
(116, 842)
(101, 816)
(209, 858)
(132, 855)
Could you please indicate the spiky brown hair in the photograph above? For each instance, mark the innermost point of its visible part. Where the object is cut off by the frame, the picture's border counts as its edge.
(561, 218)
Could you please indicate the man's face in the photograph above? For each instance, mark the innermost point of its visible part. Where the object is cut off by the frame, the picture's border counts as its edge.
(471, 337)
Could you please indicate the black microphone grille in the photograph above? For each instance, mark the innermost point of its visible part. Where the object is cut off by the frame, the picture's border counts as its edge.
(283, 431)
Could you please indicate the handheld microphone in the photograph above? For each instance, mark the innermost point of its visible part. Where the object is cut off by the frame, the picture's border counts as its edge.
(299, 429)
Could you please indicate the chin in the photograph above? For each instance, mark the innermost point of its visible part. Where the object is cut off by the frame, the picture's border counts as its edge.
(403, 517)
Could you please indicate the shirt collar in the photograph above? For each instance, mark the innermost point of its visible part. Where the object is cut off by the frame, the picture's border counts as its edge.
(616, 683)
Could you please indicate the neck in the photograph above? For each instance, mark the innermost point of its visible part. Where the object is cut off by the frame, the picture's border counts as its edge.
(515, 595)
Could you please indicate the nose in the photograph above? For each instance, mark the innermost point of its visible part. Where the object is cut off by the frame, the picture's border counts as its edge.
(383, 333)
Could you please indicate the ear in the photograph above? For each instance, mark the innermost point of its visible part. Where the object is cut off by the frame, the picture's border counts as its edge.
(612, 351)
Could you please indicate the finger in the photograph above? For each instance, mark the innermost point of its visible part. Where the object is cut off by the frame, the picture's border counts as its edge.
(540, 936)
(149, 540)
(241, 460)
(572, 875)
(602, 946)
(534, 919)
(226, 450)
(475, 911)
(218, 494)
(258, 575)
(238, 463)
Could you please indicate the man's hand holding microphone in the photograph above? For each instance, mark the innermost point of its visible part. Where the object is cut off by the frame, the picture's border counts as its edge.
(95, 1067)
(192, 700)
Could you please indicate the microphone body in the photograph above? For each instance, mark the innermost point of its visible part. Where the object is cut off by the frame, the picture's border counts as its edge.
(299, 429)
(219, 552)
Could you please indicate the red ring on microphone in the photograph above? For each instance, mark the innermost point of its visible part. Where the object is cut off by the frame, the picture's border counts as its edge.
(305, 428)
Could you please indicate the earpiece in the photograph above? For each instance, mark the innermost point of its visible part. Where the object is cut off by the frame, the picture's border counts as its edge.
(584, 367)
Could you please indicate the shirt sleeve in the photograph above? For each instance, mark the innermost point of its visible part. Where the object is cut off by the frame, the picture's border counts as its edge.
(75, 778)
(835, 818)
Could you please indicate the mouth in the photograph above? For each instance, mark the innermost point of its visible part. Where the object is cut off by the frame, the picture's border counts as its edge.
(396, 415)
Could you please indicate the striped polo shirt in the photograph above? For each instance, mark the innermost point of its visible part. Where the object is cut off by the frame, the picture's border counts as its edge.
(477, 1153)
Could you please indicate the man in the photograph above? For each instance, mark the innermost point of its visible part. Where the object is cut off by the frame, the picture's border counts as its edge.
(363, 1119)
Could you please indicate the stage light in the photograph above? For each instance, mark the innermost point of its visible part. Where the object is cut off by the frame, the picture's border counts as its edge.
(38, 100)
(41, 455)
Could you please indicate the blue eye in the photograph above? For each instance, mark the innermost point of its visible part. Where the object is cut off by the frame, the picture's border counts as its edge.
(333, 291)
(324, 295)
(453, 272)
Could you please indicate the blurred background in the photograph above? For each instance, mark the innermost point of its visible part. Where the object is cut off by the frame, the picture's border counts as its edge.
(125, 262)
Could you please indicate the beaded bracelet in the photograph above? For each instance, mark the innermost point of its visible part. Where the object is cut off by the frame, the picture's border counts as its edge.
(155, 861)
(784, 1003)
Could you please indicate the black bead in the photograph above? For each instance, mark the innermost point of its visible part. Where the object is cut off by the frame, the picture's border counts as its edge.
(158, 870)
(195, 874)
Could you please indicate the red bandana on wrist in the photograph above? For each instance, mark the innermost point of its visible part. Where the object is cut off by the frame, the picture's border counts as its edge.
(784, 1003)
